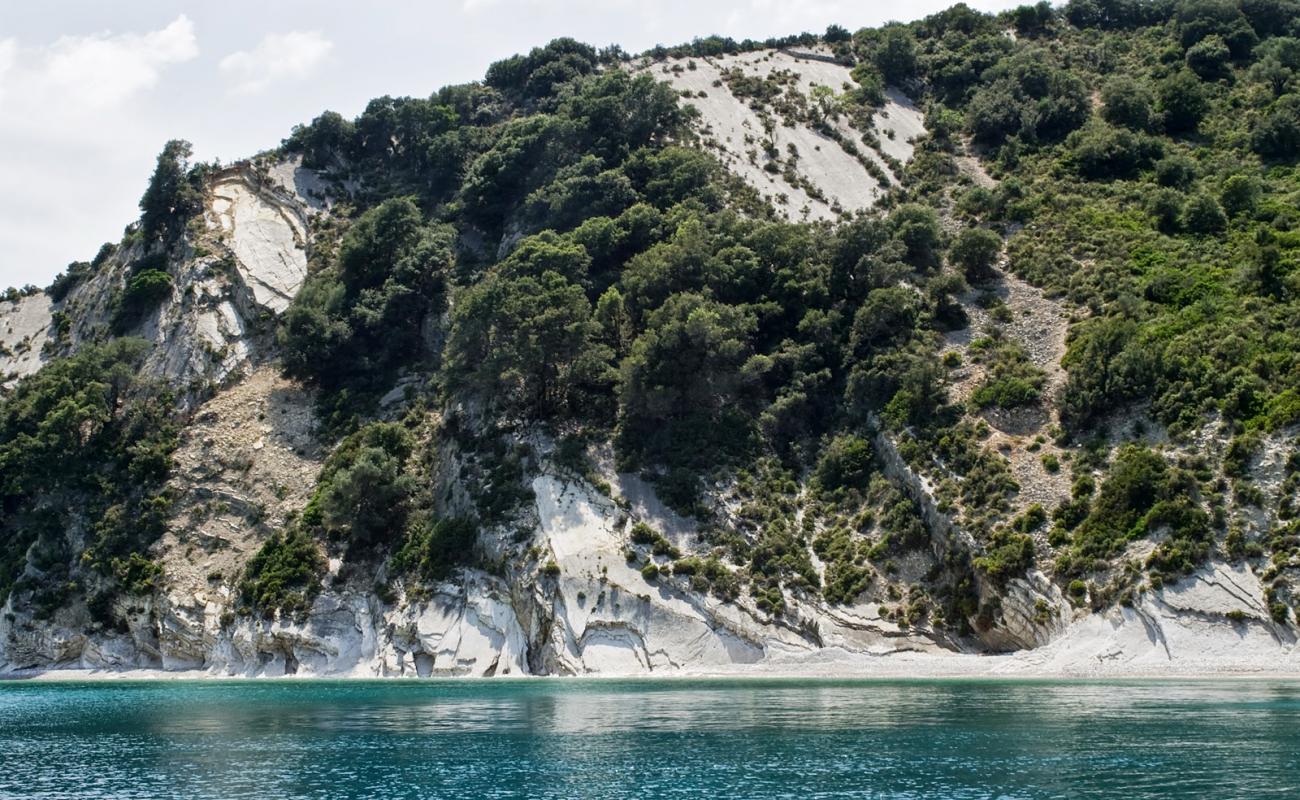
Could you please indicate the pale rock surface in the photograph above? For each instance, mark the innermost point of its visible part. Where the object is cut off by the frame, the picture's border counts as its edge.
(267, 234)
(736, 132)
(24, 329)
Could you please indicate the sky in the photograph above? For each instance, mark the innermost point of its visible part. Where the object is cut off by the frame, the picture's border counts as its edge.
(90, 91)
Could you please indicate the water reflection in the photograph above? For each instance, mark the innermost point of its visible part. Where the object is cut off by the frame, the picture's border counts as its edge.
(626, 739)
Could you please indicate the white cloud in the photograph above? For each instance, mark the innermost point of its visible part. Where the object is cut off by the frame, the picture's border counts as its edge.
(8, 52)
(75, 140)
(293, 55)
(100, 70)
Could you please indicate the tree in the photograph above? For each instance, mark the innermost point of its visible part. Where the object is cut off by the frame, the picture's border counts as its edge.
(1204, 215)
(358, 321)
(836, 33)
(1103, 152)
(364, 490)
(1031, 20)
(847, 463)
(1209, 58)
(1182, 102)
(537, 74)
(327, 138)
(976, 252)
(1106, 369)
(173, 196)
(680, 384)
(529, 345)
(884, 320)
(1126, 103)
(1198, 20)
(1175, 171)
(1277, 134)
(1027, 95)
(917, 227)
(1166, 205)
(1240, 194)
(895, 54)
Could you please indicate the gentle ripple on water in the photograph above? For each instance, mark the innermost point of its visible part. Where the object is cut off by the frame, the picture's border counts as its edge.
(954, 740)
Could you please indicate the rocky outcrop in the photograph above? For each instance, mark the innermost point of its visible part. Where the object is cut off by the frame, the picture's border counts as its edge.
(24, 330)
(813, 175)
(1215, 621)
(598, 615)
(1030, 610)
(266, 231)
(230, 277)
(1211, 623)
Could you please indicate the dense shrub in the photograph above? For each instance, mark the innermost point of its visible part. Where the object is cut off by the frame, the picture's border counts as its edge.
(976, 251)
(284, 574)
(364, 491)
(433, 548)
(88, 437)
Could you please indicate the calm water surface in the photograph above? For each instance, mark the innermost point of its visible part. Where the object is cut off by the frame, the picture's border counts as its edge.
(638, 739)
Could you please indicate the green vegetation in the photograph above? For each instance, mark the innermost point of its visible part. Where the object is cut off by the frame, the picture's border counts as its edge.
(174, 194)
(284, 575)
(363, 492)
(434, 548)
(1011, 380)
(355, 322)
(544, 257)
(85, 448)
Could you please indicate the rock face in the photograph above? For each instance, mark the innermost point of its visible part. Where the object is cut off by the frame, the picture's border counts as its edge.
(24, 330)
(814, 176)
(597, 616)
(249, 459)
(228, 283)
(1215, 621)
(267, 233)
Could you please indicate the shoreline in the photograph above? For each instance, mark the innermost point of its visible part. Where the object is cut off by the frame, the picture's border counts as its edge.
(992, 672)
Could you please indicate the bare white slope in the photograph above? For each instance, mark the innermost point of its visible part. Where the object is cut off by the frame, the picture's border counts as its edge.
(267, 235)
(736, 132)
(24, 328)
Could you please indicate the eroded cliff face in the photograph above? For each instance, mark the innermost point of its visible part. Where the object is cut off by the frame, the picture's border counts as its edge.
(238, 266)
(24, 330)
(600, 616)
(250, 456)
(798, 152)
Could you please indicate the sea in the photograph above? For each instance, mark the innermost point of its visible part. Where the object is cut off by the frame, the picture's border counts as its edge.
(663, 738)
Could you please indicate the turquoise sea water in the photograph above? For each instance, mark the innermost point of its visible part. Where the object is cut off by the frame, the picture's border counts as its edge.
(640, 739)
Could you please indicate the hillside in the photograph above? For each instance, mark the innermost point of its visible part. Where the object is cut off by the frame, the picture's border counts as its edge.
(966, 345)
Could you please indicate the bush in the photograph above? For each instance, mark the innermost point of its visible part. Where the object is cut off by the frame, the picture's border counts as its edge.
(1209, 58)
(1240, 195)
(847, 463)
(1204, 215)
(434, 548)
(1182, 102)
(1008, 555)
(976, 251)
(174, 194)
(1126, 102)
(1101, 152)
(1008, 392)
(1277, 134)
(363, 493)
(85, 447)
(284, 575)
(917, 228)
(144, 291)
(1176, 171)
